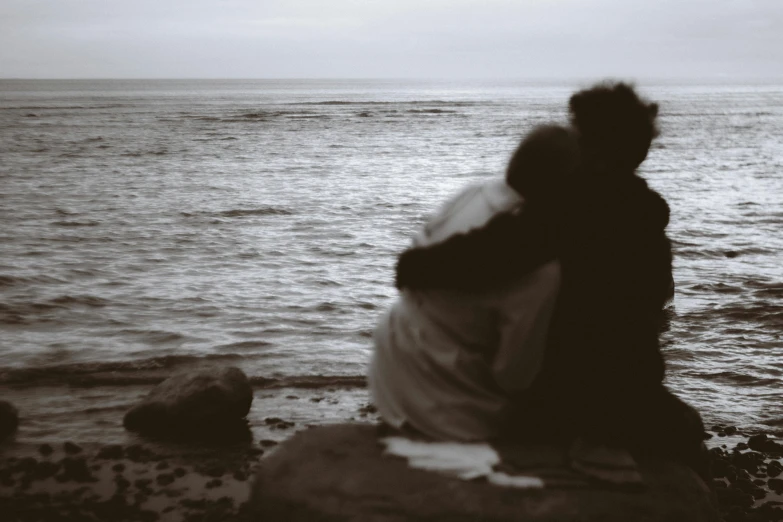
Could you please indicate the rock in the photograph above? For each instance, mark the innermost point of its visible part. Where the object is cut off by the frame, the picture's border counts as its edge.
(775, 485)
(45, 450)
(164, 479)
(9, 419)
(71, 449)
(730, 430)
(756, 442)
(111, 452)
(207, 404)
(337, 473)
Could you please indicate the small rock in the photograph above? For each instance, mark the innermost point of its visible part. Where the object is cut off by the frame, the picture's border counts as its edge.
(741, 446)
(119, 467)
(122, 483)
(9, 419)
(775, 485)
(267, 443)
(730, 430)
(164, 479)
(215, 471)
(71, 449)
(756, 442)
(112, 452)
(208, 404)
(142, 483)
(45, 450)
(214, 483)
(179, 472)
(162, 465)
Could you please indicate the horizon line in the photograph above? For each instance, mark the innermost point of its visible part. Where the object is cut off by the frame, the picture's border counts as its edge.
(610, 77)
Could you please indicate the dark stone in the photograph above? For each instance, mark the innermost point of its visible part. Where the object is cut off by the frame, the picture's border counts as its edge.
(756, 442)
(775, 485)
(162, 465)
(215, 470)
(337, 473)
(267, 443)
(71, 449)
(44, 470)
(770, 446)
(45, 450)
(209, 404)
(741, 446)
(111, 452)
(730, 430)
(164, 479)
(137, 453)
(142, 483)
(122, 483)
(119, 467)
(9, 419)
(214, 483)
(179, 472)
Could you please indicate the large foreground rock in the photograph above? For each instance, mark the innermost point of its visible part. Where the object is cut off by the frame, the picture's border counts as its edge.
(207, 404)
(337, 473)
(9, 419)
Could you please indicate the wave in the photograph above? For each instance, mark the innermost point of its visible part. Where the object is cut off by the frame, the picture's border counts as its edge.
(75, 223)
(8, 280)
(263, 211)
(154, 370)
(62, 107)
(411, 102)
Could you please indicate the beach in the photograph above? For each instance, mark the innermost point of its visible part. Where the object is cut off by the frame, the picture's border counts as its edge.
(159, 226)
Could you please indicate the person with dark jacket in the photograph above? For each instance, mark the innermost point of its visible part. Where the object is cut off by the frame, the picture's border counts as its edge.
(602, 376)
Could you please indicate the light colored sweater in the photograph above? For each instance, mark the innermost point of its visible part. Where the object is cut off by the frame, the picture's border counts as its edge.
(445, 362)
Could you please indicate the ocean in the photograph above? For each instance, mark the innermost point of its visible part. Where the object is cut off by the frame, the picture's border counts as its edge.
(154, 226)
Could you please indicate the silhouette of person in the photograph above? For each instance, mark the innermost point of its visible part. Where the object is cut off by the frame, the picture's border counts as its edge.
(603, 369)
(446, 363)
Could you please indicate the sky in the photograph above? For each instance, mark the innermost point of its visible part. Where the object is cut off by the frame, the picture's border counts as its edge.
(524, 39)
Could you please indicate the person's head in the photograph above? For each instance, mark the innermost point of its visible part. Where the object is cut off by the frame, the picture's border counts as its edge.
(542, 163)
(616, 126)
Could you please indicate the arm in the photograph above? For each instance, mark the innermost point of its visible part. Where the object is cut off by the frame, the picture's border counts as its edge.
(508, 246)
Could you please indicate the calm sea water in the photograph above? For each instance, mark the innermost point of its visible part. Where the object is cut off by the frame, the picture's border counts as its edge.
(149, 226)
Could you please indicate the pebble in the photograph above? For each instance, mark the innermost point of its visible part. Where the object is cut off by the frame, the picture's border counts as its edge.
(71, 449)
(113, 451)
(164, 479)
(45, 450)
(214, 483)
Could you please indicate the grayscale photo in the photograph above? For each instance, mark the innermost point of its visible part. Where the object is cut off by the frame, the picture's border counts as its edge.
(391, 261)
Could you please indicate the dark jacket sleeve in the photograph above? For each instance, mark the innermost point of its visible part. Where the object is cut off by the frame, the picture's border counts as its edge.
(509, 246)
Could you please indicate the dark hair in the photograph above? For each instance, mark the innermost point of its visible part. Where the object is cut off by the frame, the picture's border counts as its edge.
(542, 161)
(616, 127)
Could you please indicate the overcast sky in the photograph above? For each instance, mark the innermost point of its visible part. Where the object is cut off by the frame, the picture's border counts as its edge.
(536, 39)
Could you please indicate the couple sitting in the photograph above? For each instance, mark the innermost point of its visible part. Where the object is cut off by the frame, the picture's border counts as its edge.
(531, 307)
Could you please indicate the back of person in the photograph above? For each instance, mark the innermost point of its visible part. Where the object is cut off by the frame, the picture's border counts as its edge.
(445, 362)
